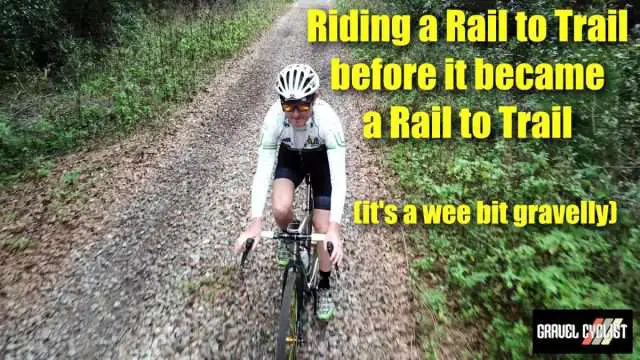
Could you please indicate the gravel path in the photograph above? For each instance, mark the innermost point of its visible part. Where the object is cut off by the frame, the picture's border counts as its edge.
(161, 281)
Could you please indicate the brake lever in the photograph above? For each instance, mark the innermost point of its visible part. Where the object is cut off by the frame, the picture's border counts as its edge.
(247, 247)
(330, 250)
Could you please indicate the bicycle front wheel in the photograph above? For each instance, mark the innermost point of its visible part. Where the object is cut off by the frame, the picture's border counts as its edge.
(287, 343)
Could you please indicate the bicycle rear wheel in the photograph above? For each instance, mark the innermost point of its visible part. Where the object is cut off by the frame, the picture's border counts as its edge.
(287, 343)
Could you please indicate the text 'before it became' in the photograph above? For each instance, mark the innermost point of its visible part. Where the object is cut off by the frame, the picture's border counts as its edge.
(586, 212)
(486, 76)
(361, 26)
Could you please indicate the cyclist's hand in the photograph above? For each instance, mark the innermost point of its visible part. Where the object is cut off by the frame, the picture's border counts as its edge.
(253, 231)
(337, 252)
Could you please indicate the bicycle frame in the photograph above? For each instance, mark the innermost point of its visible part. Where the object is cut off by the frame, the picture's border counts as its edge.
(302, 240)
(305, 228)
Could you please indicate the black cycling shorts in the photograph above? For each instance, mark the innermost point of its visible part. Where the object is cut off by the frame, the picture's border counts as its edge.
(315, 162)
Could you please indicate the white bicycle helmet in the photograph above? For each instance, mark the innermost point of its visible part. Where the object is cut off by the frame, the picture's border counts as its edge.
(297, 81)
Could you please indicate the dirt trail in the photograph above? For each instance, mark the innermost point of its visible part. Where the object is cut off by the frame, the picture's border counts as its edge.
(126, 291)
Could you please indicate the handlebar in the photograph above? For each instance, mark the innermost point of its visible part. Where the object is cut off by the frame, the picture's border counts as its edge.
(315, 237)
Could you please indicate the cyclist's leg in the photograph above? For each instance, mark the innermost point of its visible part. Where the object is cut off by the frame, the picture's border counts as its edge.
(326, 306)
(321, 183)
(282, 207)
(288, 176)
(321, 225)
(282, 202)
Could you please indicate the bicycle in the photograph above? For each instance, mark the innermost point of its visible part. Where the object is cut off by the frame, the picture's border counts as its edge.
(299, 278)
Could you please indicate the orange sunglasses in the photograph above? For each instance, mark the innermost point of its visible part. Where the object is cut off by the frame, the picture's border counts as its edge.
(302, 107)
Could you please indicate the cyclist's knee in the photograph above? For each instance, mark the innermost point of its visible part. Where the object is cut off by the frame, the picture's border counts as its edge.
(281, 210)
(321, 220)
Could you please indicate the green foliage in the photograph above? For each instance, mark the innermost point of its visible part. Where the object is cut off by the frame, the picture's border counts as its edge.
(501, 273)
(70, 177)
(437, 301)
(30, 30)
(36, 33)
(497, 274)
(110, 91)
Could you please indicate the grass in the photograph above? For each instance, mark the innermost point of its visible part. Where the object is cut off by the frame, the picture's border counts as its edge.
(195, 285)
(208, 287)
(12, 216)
(17, 244)
(109, 93)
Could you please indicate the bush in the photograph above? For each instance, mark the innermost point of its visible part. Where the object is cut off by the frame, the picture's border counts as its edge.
(497, 274)
(31, 30)
(106, 92)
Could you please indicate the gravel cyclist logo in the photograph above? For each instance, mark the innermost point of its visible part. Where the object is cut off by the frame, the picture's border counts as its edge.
(602, 331)
(582, 331)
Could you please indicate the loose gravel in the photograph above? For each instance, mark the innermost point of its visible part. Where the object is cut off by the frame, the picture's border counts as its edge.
(161, 281)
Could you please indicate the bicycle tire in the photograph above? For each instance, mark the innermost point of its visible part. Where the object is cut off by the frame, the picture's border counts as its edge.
(288, 326)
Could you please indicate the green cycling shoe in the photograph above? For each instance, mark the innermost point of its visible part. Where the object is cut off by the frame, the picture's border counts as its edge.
(283, 254)
(326, 306)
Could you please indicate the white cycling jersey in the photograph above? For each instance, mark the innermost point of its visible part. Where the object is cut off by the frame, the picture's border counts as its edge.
(322, 128)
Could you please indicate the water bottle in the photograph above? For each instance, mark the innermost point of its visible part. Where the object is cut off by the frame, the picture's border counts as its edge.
(304, 256)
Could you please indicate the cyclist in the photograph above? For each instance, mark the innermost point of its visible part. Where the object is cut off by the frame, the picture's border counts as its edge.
(303, 125)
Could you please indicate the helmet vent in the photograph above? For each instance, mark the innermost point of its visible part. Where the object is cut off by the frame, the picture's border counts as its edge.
(297, 81)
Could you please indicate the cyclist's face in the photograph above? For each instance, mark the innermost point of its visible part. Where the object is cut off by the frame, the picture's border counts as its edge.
(298, 118)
